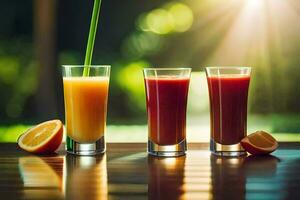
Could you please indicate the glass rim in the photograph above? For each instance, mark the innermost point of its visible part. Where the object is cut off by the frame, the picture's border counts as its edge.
(166, 69)
(82, 66)
(228, 67)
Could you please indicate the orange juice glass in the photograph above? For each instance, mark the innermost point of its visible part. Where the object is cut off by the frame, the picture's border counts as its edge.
(85, 108)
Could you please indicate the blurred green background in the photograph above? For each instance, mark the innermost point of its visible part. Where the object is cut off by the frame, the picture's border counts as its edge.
(37, 37)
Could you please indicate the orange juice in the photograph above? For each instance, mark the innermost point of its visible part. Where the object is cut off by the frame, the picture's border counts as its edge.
(85, 107)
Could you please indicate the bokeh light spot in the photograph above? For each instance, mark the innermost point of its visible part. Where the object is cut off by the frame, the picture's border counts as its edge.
(9, 69)
(131, 79)
(172, 17)
(182, 16)
(141, 23)
(160, 21)
(142, 43)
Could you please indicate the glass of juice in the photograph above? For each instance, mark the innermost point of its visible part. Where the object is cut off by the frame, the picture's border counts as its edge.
(166, 98)
(85, 108)
(228, 93)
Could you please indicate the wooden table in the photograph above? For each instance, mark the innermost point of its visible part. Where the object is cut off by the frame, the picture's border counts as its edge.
(127, 172)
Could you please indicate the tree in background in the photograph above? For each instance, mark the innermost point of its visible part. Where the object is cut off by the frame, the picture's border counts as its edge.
(46, 58)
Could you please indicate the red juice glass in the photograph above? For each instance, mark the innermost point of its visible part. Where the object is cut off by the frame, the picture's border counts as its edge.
(228, 94)
(166, 98)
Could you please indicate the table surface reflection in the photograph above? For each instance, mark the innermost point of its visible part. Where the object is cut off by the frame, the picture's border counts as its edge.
(127, 172)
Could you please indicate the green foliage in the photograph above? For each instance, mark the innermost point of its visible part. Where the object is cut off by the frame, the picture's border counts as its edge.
(70, 57)
(9, 69)
(18, 77)
(286, 123)
(11, 133)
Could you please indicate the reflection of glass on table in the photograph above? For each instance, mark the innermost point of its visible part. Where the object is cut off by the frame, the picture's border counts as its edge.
(85, 177)
(228, 180)
(166, 178)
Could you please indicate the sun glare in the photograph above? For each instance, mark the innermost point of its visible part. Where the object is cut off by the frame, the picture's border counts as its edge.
(254, 29)
(254, 3)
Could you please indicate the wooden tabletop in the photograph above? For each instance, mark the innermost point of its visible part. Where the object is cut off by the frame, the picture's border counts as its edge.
(127, 172)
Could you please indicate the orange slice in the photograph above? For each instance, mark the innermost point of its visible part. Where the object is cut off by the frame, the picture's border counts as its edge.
(259, 143)
(43, 138)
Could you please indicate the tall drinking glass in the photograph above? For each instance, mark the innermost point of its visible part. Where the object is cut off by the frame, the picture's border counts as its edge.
(166, 96)
(228, 93)
(85, 108)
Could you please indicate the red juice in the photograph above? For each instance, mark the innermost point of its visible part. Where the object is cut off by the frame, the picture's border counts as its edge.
(228, 107)
(166, 109)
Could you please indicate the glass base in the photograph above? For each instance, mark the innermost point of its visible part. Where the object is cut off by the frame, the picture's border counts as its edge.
(167, 150)
(226, 150)
(86, 149)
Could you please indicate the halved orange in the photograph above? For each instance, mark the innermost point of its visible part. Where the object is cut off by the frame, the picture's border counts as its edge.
(42, 138)
(259, 143)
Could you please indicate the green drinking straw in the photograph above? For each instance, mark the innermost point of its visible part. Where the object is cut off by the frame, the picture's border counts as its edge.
(91, 39)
